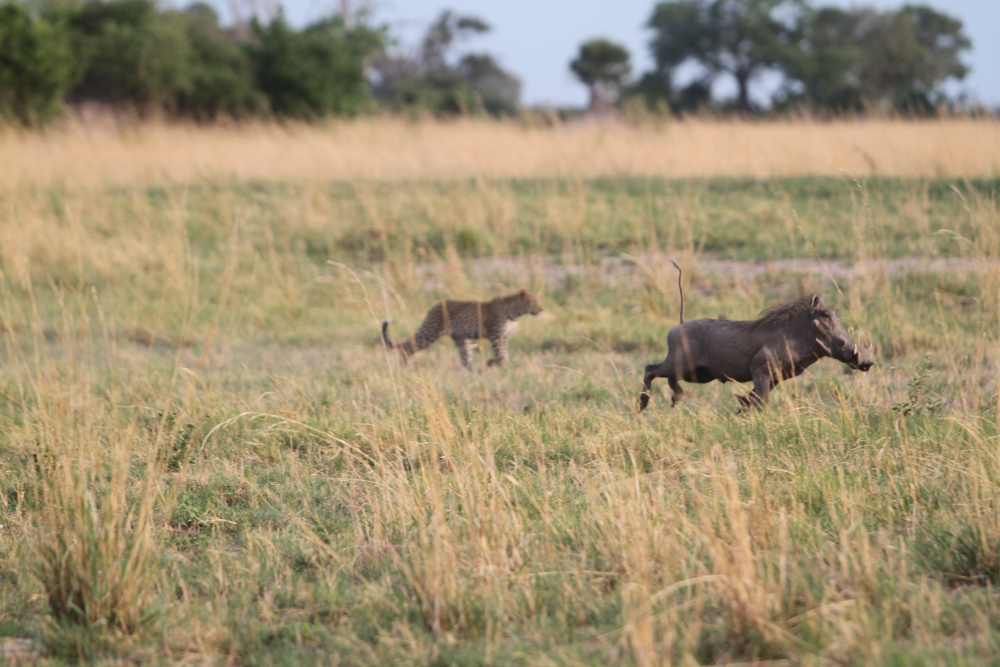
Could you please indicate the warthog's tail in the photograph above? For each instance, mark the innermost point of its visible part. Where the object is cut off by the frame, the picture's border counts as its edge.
(680, 287)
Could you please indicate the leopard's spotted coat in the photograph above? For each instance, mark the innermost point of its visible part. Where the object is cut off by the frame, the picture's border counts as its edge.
(466, 321)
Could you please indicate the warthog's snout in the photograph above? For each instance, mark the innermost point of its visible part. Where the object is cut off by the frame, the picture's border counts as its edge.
(860, 358)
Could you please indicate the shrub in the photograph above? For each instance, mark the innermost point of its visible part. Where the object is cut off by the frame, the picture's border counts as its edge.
(132, 56)
(35, 65)
(96, 551)
(313, 72)
(222, 77)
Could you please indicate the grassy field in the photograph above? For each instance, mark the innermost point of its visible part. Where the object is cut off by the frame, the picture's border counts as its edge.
(209, 458)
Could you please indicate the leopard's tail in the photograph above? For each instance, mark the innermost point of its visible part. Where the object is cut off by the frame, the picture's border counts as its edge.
(385, 333)
(680, 287)
(405, 348)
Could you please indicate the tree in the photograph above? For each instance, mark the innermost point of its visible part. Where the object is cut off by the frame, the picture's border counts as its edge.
(130, 54)
(222, 77)
(317, 71)
(735, 37)
(443, 33)
(36, 65)
(851, 60)
(496, 89)
(602, 66)
(436, 81)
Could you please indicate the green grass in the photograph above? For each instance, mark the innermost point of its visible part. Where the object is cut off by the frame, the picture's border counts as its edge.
(187, 363)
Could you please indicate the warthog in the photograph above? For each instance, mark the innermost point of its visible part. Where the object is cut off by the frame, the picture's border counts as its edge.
(781, 343)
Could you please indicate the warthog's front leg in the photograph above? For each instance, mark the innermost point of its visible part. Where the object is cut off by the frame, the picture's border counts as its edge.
(675, 386)
(763, 382)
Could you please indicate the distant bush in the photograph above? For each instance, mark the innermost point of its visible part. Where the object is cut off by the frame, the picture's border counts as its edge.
(221, 74)
(830, 60)
(35, 65)
(313, 72)
(132, 55)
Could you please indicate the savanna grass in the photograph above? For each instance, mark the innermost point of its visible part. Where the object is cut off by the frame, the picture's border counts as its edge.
(105, 151)
(210, 457)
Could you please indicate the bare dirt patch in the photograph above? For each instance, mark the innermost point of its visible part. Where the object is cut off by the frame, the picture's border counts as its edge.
(553, 272)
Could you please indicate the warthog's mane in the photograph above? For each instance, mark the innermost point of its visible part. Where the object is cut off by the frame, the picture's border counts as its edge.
(783, 312)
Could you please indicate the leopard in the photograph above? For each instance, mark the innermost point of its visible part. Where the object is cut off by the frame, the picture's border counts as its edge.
(467, 321)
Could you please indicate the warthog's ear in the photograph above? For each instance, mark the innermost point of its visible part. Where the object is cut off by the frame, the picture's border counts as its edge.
(523, 293)
(816, 302)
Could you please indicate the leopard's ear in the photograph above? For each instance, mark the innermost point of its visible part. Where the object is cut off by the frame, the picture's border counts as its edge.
(523, 293)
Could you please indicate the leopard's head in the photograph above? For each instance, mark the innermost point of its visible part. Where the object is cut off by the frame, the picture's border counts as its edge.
(528, 302)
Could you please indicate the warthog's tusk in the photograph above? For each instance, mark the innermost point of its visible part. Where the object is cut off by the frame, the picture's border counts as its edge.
(855, 349)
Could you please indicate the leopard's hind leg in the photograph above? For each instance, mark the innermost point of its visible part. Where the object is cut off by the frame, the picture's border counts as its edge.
(464, 346)
(430, 330)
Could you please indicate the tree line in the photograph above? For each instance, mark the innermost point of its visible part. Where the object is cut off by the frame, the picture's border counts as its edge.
(134, 55)
(826, 59)
(144, 58)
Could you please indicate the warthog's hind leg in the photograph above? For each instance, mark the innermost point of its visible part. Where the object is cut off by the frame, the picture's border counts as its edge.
(653, 371)
(647, 385)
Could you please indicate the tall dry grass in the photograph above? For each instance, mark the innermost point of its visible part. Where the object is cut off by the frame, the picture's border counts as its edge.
(392, 149)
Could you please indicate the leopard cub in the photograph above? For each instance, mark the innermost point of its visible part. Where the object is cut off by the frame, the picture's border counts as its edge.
(466, 321)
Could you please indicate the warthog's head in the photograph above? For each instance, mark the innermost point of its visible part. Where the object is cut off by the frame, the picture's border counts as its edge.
(832, 338)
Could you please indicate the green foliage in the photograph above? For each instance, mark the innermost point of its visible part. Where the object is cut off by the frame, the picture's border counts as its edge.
(36, 64)
(314, 72)
(129, 54)
(132, 55)
(222, 77)
(918, 402)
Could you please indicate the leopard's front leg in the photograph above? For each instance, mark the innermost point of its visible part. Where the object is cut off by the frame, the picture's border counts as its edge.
(499, 343)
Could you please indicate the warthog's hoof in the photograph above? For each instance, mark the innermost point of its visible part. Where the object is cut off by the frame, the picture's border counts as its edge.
(643, 400)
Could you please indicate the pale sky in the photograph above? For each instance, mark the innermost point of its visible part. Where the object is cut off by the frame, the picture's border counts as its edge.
(536, 39)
